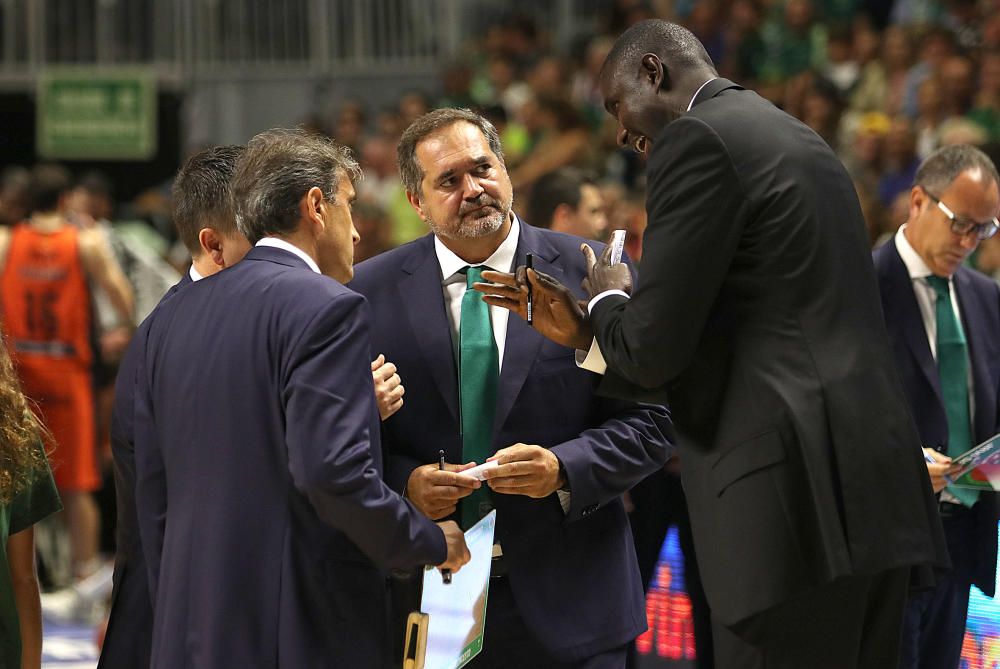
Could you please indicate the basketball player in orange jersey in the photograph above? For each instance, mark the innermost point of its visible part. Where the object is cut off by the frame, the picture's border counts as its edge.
(45, 266)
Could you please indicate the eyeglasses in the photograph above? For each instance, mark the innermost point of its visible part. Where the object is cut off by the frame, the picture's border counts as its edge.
(963, 226)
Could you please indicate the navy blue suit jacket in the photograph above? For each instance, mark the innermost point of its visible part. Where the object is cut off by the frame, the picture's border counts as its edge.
(130, 626)
(979, 304)
(261, 506)
(574, 575)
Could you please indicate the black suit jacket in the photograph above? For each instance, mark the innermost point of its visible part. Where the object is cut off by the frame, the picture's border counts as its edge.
(130, 625)
(756, 316)
(979, 304)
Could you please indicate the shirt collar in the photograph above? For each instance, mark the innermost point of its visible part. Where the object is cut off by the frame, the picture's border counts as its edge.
(291, 248)
(915, 265)
(695, 96)
(194, 274)
(502, 259)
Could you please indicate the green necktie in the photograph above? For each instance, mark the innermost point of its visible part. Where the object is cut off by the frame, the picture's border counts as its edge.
(478, 373)
(953, 370)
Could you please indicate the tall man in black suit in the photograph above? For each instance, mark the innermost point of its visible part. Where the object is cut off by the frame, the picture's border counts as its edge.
(943, 321)
(565, 592)
(756, 316)
(261, 508)
(206, 226)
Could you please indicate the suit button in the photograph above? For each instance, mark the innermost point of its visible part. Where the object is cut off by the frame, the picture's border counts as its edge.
(587, 510)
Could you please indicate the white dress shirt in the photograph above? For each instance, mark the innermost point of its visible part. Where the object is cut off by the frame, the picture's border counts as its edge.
(927, 300)
(277, 243)
(194, 274)
(453, 285)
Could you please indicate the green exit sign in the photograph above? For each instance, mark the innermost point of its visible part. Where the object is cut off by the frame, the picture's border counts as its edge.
(96, 114)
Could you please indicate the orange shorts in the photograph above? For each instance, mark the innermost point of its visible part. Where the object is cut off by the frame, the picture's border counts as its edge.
(64, 399)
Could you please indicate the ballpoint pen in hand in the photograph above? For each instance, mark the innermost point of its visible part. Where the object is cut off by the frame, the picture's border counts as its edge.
(445, 573)
(529, 264)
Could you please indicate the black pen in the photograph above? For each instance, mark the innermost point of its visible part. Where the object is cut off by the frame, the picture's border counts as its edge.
(529, 263)
(445, 573)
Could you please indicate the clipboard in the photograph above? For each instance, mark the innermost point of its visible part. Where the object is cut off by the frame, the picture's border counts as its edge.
(448, 631)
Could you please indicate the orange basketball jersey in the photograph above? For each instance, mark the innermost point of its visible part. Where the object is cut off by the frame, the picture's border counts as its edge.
(45, 300)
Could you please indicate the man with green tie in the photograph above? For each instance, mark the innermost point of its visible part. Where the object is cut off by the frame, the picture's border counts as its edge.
(564, 591)
(943, 320)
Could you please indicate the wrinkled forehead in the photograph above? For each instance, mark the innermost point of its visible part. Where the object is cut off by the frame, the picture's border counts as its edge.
(454, 147)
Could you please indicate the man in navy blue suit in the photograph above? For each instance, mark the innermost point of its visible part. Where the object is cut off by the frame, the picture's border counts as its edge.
(207, 228)
(943, 321)
(261, 508)
(566, 590)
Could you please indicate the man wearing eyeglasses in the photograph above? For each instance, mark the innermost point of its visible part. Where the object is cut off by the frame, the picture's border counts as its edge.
(943, 319)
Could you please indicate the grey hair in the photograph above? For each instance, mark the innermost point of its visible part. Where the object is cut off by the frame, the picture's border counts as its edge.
(277, 169)
(945, 165)
(410, 172)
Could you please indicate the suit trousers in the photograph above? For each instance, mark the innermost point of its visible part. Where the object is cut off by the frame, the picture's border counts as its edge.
(854, 622)
(934, 625)
(509, 644)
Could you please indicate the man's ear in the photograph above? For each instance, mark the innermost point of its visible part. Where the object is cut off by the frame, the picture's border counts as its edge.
(211, 243)
(414, 200)
(655, 72)
(311, 209)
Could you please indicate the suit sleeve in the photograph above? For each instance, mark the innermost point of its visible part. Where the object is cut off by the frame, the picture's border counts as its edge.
(696, 211)
(328, 395)
(605, 461)
(150, 472)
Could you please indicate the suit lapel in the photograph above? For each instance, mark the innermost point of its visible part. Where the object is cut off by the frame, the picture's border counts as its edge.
(975, 335)
(522, 342)
(423, 300)
(904, 313)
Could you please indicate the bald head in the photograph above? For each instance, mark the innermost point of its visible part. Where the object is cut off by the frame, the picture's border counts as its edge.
(675, 45)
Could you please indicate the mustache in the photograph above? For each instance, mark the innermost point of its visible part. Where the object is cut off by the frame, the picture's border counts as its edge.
(481, 201)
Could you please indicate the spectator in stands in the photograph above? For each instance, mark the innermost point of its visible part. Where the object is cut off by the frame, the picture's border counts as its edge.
(27, 495)
(986, 107)
(936, 47)
(930, 115)
(560, 139)
(883, 81)
(569, 201)
(958, 85)
(901, 160)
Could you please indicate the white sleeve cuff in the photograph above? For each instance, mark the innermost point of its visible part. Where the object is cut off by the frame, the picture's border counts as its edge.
(600, 296)
(592, 360)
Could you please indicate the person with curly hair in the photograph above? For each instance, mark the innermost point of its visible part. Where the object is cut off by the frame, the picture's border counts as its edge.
(27, 495)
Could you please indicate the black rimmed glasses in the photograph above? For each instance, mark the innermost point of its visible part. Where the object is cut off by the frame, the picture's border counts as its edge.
(963, 226)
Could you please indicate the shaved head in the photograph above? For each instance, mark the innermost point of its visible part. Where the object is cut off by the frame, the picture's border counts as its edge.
(673, 44)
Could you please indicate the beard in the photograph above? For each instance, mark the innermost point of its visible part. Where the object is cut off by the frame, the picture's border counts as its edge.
(473, 221)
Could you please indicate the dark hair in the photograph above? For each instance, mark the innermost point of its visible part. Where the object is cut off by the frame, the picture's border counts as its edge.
(410, 172)
(48, 184)
(674, 44)
(202, 197)
(276, 171)
(945, 165)
(555, 188)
